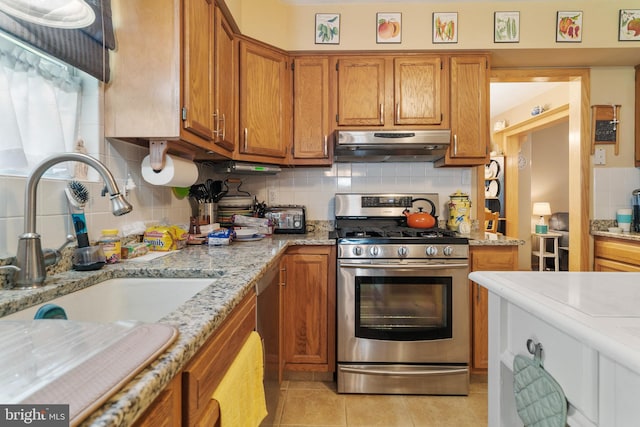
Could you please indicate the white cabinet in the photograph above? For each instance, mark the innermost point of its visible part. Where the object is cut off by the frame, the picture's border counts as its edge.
(589, 326)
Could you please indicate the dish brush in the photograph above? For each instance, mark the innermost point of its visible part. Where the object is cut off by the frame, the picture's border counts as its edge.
(77, 196)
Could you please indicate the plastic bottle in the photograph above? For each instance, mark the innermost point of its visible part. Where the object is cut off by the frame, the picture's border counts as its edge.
(111, 245)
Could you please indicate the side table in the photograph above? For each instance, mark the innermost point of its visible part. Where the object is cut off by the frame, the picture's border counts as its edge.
(542, 252)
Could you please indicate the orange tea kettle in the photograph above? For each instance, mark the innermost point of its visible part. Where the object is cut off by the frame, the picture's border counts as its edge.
(421, 219)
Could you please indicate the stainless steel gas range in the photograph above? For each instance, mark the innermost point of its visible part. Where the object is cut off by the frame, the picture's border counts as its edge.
(403, 301)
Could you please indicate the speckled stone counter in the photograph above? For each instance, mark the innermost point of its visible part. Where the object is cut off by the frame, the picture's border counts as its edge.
(622, 236)
(480, 238)
(236, 268)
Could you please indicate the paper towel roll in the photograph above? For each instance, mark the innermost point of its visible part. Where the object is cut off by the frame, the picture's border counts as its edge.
(177, 172)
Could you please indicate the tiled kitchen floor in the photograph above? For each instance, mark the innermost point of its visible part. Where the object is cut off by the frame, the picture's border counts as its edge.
(310, 403)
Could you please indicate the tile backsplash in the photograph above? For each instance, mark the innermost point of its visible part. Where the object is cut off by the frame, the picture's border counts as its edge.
(312, 187)
(612, 189)
(315, 187)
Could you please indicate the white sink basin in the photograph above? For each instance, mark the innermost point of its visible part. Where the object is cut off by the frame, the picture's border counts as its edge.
(143, 299)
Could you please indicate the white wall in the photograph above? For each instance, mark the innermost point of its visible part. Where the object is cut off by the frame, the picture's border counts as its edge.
(296, 23)
(550, 167)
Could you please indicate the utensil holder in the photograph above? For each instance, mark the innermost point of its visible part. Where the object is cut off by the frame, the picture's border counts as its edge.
(208, 213)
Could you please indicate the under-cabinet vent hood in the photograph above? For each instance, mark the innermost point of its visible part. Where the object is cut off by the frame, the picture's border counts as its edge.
(391, 146)
(248, 168)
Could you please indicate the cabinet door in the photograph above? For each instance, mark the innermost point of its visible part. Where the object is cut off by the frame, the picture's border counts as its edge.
(361, 91)
(602, 264)
(311, 111)
(165, 411)
(197, 65)
(418, 90)
(309, 309)
(469, 111)
(613, 254)
(265, 111)
(485, 258)
(203, 373)
(225, 84)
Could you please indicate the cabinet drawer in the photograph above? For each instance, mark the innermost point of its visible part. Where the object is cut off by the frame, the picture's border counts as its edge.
(617, 250)
(491, 258)
(569, 361)
(203, 374)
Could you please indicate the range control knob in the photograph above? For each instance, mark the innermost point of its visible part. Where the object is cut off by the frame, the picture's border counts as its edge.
(448, 250)
(357, 251)
(402, 251)
(374, 250)
(432, 251)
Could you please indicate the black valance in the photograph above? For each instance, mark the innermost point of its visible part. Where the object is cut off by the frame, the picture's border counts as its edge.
(84, 48)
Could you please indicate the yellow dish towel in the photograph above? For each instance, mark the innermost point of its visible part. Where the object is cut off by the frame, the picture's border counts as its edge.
(241, 391)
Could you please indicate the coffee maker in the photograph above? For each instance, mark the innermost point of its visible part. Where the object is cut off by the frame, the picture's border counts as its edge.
(635, 219)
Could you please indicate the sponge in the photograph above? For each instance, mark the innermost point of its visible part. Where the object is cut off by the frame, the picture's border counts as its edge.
(50, 311)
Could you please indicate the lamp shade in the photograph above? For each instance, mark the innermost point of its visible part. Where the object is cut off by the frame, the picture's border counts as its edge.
(541, 208)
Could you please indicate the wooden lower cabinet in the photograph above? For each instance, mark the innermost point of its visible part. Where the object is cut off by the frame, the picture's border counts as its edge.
(204, 372)
(485, 258)
(165, 411)
(308, 292)
(616, 254)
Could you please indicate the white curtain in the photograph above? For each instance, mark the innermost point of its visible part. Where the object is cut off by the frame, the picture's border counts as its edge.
(39, 110)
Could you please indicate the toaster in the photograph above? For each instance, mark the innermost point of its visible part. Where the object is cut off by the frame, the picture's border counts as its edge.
(287, 219)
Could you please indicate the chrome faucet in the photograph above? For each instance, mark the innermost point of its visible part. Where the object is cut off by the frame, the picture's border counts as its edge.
(31, 259)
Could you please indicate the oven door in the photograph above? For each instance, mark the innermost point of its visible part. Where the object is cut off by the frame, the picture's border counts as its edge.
(408, 311)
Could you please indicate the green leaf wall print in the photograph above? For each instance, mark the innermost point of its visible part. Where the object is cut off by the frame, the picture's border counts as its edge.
(506, 27)
(327, 28)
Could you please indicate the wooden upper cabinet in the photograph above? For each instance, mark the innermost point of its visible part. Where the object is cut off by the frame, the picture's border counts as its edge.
(312, 141)
(361, 91)
(162, 84)
(225, 88)
(197, 81)
(419, 87)
(392, 92)
(469, 111)
(265, 103)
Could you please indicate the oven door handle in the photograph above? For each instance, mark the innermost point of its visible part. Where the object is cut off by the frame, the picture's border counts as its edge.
(413, 372)
(400, 266)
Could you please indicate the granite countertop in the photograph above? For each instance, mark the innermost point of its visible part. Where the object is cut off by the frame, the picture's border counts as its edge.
(481, 238)
(599, 309)
(622, 236)
(236, 267)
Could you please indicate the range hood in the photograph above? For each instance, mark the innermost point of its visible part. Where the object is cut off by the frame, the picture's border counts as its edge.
(391, 146)
(245, 168)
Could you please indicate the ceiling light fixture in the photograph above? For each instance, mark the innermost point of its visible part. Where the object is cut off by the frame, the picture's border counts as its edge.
(51, 13)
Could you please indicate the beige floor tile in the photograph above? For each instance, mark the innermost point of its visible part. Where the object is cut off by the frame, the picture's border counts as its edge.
(478, 384)
(374, 410)
(442, 411)
(313, 408)
(312, 385)
(316, 403)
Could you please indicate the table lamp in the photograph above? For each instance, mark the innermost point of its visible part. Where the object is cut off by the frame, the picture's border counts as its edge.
(542, 209)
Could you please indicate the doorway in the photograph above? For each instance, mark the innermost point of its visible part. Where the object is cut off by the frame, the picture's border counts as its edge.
(577, 111)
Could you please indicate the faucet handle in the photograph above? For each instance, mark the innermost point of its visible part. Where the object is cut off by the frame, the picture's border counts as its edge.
(69, 239)
(53, 256)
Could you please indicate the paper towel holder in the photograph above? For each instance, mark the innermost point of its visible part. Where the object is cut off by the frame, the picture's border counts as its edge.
(157, 154)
